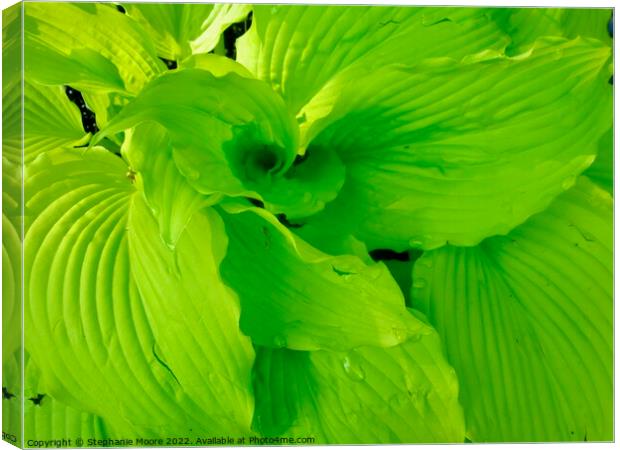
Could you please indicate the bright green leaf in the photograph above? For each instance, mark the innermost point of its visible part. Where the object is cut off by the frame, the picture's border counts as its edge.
(218, 65)
(456, 151)
(228, 133)
(11, 288)
(51, 120)
(69, 43)
(12, 383)
(295, 296)
(402, 394)
(171, 26)
(526, 25)
(170, 197)
(299, 49)
(602, 170)
(88, 327)
(222, 17)
(45, 418)
(526, 320)
(193, 310)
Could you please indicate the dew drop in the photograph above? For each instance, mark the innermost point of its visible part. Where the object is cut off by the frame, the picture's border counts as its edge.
(400, 334)
(415, 338)
(279, 341)
(419, 283)
(415, 243)
(168, 238)
(427, 263)
(420, 399)
(173, 264)
(353, 367)
(568, 183)
(192, 174)
(397, 401)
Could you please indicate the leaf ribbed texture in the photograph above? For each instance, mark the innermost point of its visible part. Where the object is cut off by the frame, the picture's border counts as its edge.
(526, 320)
(406, 393)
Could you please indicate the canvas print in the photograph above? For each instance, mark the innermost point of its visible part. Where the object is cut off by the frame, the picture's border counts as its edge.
(236, 224)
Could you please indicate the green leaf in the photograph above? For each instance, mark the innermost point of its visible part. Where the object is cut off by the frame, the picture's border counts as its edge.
(293, 295)
(402, 394)
(192, 309)
(526, 320)
(12, 384)
(456, 151)
(91, 47)
(171, 26)
(218, 65)
(221, 18)
(105, 106)
(11, 288)
(83, 312)
(12, 36)
(602, 170)
(88, 327)
(526, 25)
(587, 22)
(169, 196)
(12, 219)
(230, 134)
(299, 49)
(51, 120)
(12, 123)
(45, 418)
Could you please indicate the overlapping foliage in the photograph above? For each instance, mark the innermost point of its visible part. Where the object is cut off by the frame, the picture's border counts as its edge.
(359, 224)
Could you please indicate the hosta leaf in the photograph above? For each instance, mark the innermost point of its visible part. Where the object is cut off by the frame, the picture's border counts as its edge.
(525, 25)
(11, 287)
(602, 170)
(295, 296)
(221, 18)
(171, 26)
(11, 195)
(170, 197)
(83, 311)
(12, 123)
(193, 310)
(105, 106)
(89, 46)
(12, 385)
(226, 132)
(88, 328)
(11, 46)
(218, 65)
(455, 151)
(235, 138)
(402, 394)
(587, 22)
(298, 49)
(50, 121)
(45, 418)
(526, 321)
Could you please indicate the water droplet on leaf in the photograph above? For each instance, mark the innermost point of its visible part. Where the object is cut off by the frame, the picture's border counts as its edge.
(568, 183)
(279, 341)
(353, 367)
(419, 283)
